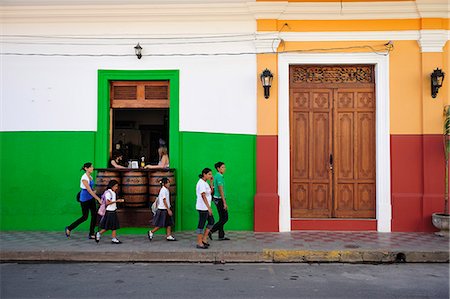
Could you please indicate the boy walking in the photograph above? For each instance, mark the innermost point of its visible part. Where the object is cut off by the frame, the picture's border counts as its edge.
(219, 199)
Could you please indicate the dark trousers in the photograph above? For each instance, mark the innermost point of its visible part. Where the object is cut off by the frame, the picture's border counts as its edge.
(223, 217)
(86, 206)
(203, 217)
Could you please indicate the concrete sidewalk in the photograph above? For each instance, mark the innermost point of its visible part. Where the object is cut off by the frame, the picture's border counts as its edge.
(299, 246)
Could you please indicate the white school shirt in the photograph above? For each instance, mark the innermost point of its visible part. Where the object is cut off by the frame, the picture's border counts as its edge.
(111, 196)
(163, 193)
(202, 187)
(84, 178)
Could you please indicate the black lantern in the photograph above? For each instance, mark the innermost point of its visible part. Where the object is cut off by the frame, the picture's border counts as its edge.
(138, 51)
(266, 80)
(437, 77)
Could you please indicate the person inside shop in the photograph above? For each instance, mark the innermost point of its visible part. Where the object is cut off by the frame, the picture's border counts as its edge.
(163, 157)
(116, 160)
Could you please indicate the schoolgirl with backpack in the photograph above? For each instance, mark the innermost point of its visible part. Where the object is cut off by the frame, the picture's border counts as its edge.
(162, 212)
(107, 210)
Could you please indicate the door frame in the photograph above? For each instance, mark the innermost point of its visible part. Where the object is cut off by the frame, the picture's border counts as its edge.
(383, 165)
(102, 136)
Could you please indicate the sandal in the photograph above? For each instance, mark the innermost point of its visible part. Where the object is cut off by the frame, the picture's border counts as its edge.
(67, 232)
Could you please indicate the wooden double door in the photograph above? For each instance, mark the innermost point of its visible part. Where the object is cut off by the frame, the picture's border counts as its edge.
(332, 137)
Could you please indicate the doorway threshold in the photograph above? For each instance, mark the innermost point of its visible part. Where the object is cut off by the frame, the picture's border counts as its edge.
(334, 224)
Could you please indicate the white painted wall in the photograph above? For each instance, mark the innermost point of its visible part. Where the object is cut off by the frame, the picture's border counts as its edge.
(217, 93)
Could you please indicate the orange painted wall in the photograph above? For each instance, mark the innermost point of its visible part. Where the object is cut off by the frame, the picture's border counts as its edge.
(446, 86)
(267, 115)
(405, 88)
(329, 0)
(413, 111)
(352, 25)
(338, 25)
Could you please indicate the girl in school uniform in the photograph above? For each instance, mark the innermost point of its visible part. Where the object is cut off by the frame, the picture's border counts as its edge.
(109, 220)
(163, 216)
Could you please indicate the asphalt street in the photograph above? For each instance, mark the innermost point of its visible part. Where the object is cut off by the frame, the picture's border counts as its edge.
(155, 280)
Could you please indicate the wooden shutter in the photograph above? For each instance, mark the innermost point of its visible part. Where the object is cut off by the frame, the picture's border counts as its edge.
(139, 94)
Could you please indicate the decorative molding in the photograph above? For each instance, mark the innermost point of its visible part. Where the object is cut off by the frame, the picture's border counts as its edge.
(433, 8)
(429, 40)
(433, 40)
(350, 10)
(267, 43)
(332, 74)
(351, 35)
(179, 10)
(383, 157)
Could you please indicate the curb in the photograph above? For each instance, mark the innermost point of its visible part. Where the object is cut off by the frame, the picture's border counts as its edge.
(353, 256)
(266, 256)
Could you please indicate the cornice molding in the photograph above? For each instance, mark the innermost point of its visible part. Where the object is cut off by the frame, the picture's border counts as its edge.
(148, 10)
(267, 42)
(350, 35)
(433, 8)
(433, 40)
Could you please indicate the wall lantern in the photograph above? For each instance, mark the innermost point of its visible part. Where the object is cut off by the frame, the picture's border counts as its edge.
(138, 51)
(437, 77)
(266, 80)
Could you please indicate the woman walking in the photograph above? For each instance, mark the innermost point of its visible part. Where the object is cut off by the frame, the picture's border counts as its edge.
(109, 220)
(203, 206)
(87, 202)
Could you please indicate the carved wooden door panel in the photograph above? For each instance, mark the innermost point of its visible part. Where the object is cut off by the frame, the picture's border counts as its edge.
(311, 132)
(354, 149)
(332, 137)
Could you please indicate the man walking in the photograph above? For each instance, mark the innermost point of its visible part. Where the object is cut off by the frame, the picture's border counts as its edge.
(219, 199)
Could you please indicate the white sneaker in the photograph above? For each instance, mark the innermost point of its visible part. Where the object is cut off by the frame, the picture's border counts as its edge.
(150, 235)
(97, 237)
(171, 238)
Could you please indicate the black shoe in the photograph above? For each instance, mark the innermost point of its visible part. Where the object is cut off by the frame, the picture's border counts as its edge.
(202, 247)
(210, 235)
(206, 244)
(224, 239)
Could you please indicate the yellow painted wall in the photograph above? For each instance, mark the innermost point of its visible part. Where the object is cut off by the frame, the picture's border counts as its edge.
(405, 88)
(412, 110)
(352, 25)
(338, 25)
(446, 86)
(330, 0)
(267, 116)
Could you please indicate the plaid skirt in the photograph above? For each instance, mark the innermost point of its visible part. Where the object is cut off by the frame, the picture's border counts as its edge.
(109, 221)
(162, 219)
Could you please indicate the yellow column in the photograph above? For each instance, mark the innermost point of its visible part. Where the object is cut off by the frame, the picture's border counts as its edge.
(267, 115)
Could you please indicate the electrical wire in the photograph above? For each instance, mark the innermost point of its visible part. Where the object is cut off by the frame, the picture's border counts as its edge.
(103, 37)
(383, 52)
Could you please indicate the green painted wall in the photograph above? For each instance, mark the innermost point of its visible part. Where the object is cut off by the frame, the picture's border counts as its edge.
(40, 173)
(200, 150)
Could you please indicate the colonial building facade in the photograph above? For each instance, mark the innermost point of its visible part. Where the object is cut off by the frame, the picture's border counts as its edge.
(347, 137)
